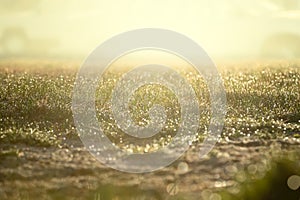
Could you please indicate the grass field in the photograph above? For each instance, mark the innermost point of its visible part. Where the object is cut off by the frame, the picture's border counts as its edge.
(41, 156)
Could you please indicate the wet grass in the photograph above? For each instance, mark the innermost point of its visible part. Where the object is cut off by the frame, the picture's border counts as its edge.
(272, 183)
(263, 103)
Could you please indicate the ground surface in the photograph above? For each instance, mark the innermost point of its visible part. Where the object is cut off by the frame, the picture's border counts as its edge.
(41, 155)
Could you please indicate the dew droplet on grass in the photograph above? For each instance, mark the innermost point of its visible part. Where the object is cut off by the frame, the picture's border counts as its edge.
(172, 189)
(294, 182)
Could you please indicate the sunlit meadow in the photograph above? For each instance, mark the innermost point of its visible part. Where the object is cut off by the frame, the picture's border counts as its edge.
(257, 153)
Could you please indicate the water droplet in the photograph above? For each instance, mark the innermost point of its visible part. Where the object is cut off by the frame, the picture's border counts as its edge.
(293, 182)
(182, 168)
(172, 189)
(215, 196)
(252, 169)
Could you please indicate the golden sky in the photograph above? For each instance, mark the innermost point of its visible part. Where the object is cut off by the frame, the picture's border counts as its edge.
(76, 27)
